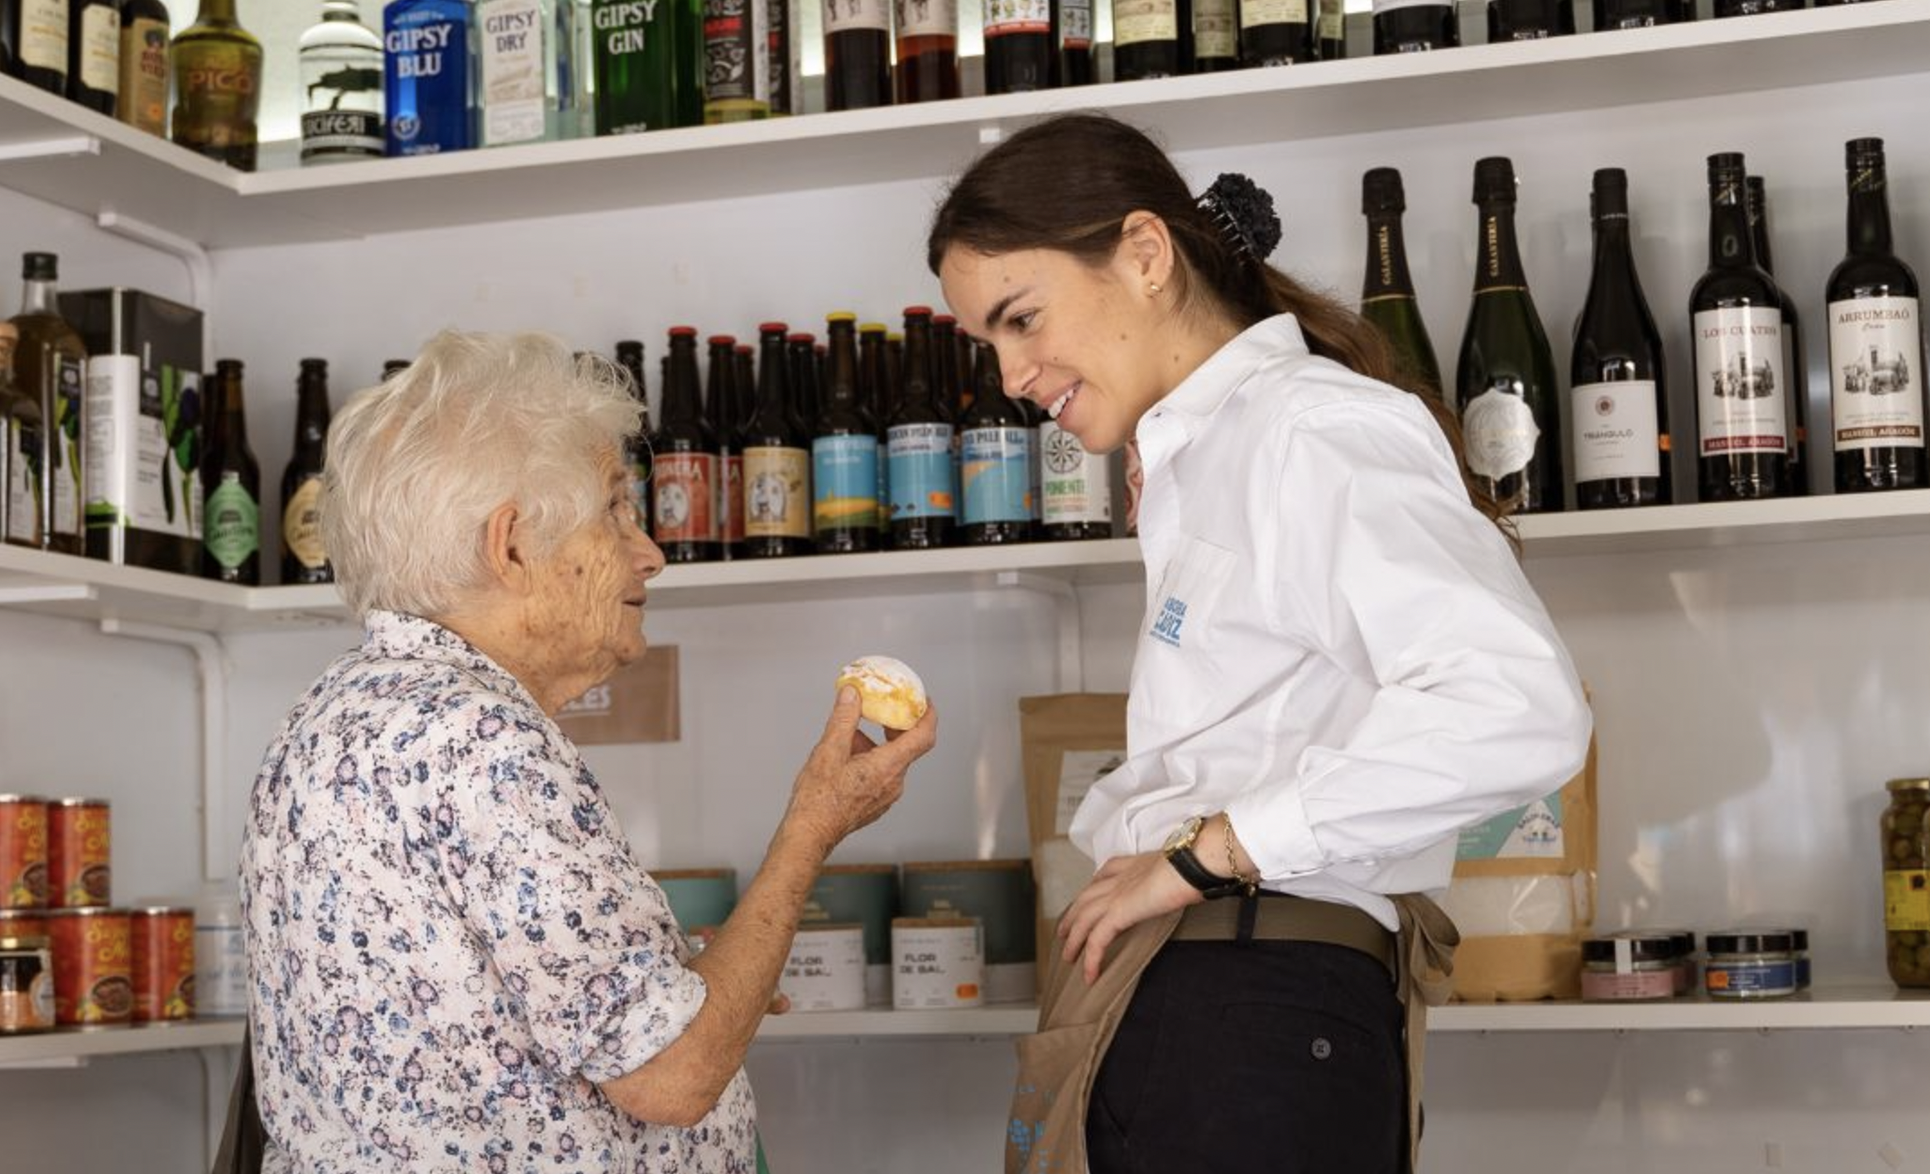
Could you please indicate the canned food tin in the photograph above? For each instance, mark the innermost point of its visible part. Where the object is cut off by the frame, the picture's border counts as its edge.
(23, 852)
(162, 962)
(868, 895)
(92, 987)
(23, 923)
(937, 962)
(1000, 895)
(826, 969)
(699, 897)
(78, 847)
(26, 985)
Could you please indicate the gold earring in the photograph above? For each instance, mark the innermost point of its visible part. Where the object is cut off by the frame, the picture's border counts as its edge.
(1152, 287)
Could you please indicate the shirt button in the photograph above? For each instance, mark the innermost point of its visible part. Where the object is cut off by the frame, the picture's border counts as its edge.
(1322, 1049)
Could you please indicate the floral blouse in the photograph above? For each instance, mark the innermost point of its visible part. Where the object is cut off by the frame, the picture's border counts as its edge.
(449, 939)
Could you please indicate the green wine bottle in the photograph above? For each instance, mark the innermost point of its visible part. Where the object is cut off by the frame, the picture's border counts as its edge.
(1387, 293)
(1506, 378)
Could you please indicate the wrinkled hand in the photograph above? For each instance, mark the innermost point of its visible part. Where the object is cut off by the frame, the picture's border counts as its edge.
(1125, 892)
(849, 780)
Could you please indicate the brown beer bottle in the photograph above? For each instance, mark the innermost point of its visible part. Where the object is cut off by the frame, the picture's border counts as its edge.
(48, 365)
(777, 459)
(303, 558)
(230, 486)
(217, 86)
(683, 504)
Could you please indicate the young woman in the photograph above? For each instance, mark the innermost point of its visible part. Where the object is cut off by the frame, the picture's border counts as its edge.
(1341, 664)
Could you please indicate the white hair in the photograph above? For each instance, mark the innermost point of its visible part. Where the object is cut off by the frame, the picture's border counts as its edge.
(416, 465)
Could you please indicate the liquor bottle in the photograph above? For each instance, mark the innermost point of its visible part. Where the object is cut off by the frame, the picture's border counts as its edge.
(1145, 39)
(1506, 377)
(1618, 396)
(1727, 8)
(634, 46)
(721, 408)
(22, 437)
(49, 364)
(636, 452)
(1332, 23)
(804, 371)
(684, 477)
(428, 82)
(523, 71)
(1795, 368)
(918, 444)
(1277, 32)
(1529, 20)
(217, 86)
(777, 459)
(1020, 49)
(1387, 293)
(143, 83)
(1415, 26)
(303, 557)
(1875, 342)
(995, 460)
(1074, 493)
(844, 451)
(1640, 14)
(1075, 43)
(927, 50)
(341, 67)
(737, 63)
(37, 38)
(857, 54)
(94, 54)
(1738, 329)
(786, 58)
(230, 485)
(1216, 34)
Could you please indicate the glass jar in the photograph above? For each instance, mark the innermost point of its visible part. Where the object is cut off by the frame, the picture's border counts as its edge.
(1906, 888)
(1750, 964)
(1630, 966)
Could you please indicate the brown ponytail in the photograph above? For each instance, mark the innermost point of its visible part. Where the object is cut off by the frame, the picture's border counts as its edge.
(1021, 195)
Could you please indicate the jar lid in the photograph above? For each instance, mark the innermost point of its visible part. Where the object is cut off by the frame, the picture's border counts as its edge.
(78, 803)
(1751, 941)
(23, 798)
(1642, 945)
(34, 943)
(1896, 785)
(160, 911)
(1682, 940)
(87, 911)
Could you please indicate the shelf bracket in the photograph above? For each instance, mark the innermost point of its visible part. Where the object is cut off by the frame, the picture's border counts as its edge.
(65, 148)
(211, 659)
(1065, 598)
(188, 252)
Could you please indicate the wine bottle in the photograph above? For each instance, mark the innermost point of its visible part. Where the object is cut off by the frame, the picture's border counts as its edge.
(1641, 14)
(1387, 293)
(1216, 35)
(1506, 377)
(1277, 32)
(1795, 365)
(857, 54)
(1737, 325)
(1020, 53)
(94, 53)
(1618, 397)
(1726, 8)
(1529, 20)
(1332, 23)
(1875, 342)
(1145, 39)
(1414, 26)
(927, 50)
(1075, 43)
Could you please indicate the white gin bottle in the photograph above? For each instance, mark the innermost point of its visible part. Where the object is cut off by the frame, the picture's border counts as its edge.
(525, 49)
(341, 64)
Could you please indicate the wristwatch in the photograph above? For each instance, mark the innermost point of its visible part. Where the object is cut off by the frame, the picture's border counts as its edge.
(1179, 854)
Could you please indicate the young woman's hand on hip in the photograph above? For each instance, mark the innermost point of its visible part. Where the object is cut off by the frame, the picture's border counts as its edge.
(1124, 892)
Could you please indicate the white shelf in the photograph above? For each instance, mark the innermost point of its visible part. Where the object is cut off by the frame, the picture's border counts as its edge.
(71, 1046)
(58, 152)
(994, 1022)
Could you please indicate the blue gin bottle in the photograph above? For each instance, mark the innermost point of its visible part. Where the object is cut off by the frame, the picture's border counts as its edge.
(430, 76)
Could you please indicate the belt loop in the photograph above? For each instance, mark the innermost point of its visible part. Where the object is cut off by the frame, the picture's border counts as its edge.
(1249, 913)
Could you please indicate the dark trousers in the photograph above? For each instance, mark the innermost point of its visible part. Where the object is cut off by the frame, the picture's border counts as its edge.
(1260, 1056)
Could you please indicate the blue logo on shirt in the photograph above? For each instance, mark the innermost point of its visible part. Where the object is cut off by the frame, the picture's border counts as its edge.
(1172, 616)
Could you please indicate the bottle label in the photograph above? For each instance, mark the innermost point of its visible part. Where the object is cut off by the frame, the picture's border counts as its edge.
(686, 497)
(995, 474)
(143, 99)
(341, 134)
(426, 82)
(926, 18)
(1616, 432)
(43, 34)
(21, 486)
(301, 525)
(851, 16)
(1254, 13)
(1005, 17)
(1075, 24)
(1499, 430)
(921, 471)
(730, 504)
(1077, 486)
(1135, 22)
(1384, 6)
(846, 477)
(1739, 384)
(233, 524)
(737, 62)
(777, 493)
(1876, 362)
(100, 48)
(1216, 28)
(1333, 20)
(1906, 900)
(67, 470)
(513, 49)
(631, 96)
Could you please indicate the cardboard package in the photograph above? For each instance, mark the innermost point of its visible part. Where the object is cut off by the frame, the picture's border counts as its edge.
(1070, 741)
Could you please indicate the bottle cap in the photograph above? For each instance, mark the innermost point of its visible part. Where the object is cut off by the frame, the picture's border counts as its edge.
(316, 366)
(774, 328)
(1494, 180)
(40, 267)
(837, 316)
(683, 332)
(1381, 192)
(629, 346)
(872, 328)
(943, 320)
(1727, 167)
(917, 312)
(723, 340)
(1610, 194)
(801, 339)
(1863, 151)
(228, 366)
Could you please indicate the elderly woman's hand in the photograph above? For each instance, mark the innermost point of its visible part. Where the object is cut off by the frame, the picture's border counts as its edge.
(849, 780)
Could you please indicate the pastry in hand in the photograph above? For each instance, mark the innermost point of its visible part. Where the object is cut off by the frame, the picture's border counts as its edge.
(892, 694)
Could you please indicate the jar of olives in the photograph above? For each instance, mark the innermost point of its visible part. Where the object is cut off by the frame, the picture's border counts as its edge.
(1906, 884)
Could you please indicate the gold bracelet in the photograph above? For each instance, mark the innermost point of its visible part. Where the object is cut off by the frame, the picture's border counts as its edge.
(1252, 883)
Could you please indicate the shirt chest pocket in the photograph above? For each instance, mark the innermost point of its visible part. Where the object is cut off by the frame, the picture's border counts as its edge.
(1180, 616)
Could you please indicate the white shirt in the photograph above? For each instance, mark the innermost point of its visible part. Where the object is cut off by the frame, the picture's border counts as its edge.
(1339, 651)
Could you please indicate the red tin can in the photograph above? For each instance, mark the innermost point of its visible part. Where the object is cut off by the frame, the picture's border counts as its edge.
(78, 846)
(92, 987)
(23, 923)
(162, 966)
(23, 852)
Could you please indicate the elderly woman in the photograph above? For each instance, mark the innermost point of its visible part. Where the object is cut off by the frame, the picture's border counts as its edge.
(456, 961)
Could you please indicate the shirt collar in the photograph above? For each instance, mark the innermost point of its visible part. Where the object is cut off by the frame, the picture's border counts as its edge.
(398, 636)
(1177, 417)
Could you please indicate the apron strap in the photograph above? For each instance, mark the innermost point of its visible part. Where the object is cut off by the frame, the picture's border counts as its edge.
(1423, 978)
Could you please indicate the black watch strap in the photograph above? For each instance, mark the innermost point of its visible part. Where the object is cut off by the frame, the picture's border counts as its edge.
(1194, 873)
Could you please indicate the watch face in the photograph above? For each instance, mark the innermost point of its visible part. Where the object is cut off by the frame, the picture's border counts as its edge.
(1184, 835)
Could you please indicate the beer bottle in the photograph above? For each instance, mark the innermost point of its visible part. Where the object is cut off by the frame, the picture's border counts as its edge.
(303, 558)
(857, 54)
(217, 86)
(637, 454)
(944, 358)
(143, 99)
(720, 407)
(777, 459)
(995, 460)
(21, 437)
(801, 356)
(393, 367)
(874, 373)
(231, 486)
(844, 452)
(94, 54)
(684, 475)
(34, 40)
(48, 365)
(918, 440)
(341, 66)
